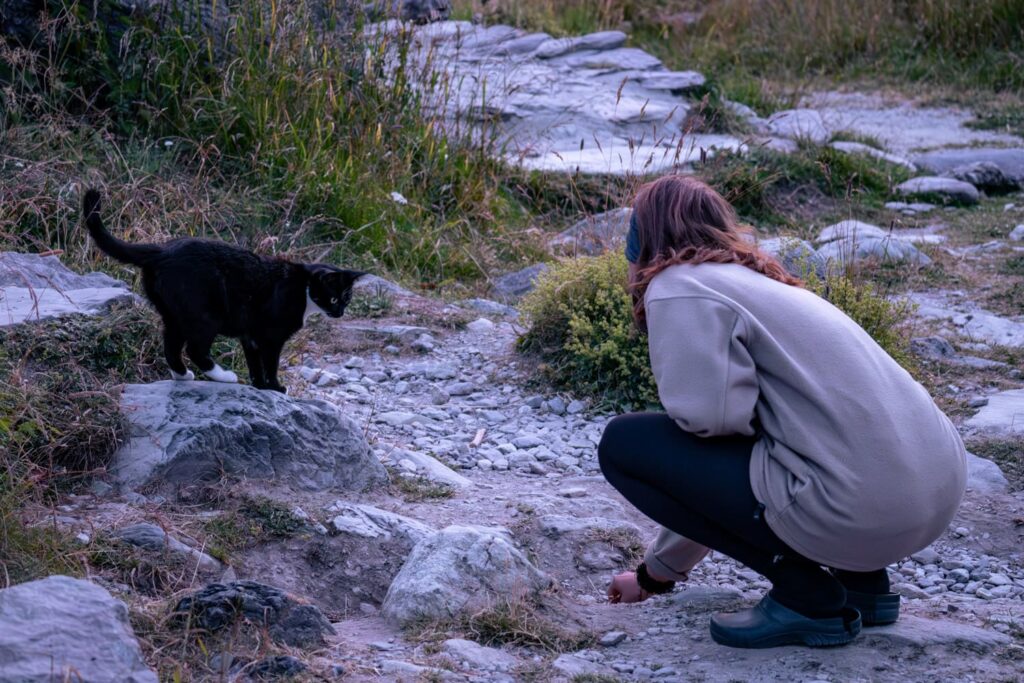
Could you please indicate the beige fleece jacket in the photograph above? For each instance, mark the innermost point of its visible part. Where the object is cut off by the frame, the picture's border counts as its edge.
(855, 464)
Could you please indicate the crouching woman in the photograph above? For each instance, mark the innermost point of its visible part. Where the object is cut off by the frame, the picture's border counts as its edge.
(791, 441)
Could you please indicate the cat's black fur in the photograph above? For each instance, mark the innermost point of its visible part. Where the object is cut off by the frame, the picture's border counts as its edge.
(203, 288)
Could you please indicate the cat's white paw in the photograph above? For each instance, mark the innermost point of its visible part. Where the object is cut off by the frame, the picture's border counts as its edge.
(219, 374)
(187, 377)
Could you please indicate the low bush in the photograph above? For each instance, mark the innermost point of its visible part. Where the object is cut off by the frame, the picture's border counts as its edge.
(581, 325)
(581, 328)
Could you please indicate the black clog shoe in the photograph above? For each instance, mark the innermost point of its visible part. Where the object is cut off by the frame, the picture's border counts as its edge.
(769, 624)
(875, 610)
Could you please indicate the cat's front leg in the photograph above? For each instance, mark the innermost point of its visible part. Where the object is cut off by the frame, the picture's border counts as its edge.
(255, 362)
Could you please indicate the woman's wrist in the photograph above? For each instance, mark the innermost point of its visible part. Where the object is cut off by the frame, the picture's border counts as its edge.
(650, 584)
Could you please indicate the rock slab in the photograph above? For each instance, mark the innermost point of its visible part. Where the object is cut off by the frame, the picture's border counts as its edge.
(1004, 414)
(184, 432)
(457, 569)
(60, 628)
(34, 287)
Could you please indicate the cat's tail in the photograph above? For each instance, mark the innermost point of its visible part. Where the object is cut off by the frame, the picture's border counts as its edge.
(135, 254)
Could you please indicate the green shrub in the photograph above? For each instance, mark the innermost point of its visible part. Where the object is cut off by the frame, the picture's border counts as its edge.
(581, 326)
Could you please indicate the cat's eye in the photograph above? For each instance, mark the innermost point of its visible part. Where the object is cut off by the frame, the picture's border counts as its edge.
(334, 299)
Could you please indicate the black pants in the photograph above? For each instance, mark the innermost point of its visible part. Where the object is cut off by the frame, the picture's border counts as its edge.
(700, 489)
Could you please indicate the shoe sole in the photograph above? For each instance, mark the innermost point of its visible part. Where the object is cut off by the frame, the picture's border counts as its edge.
(808, 638)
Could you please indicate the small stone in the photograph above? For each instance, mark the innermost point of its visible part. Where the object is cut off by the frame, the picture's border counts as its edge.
(527, 441)
(961, 532)
(424, 343)
(355, 362)
(575, 407)
(1017, 234)
(484, 464)
(556, 405)
(926, 556)
(480, 325)
(999, 580)
(393, 350)
(977, 402)
(612, 638)
(461, 389)
(100, 488)
(534, 401)
(574, 492)
(909, 590)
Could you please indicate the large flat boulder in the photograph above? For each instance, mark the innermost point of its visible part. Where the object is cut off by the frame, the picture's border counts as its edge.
(187, 432)
(594, 235)
(34, 287)
(60, 628)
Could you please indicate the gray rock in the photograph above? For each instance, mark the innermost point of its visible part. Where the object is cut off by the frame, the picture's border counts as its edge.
(557, 405)
(575, 667)
(289, 619)
(276, 667)
(478, 656)
(984, 476)
(796, 255)
(919, 632)
(676, 82)
(596, 543)
(480, 325)
(523, 45)
(59, 628)
(489, 307)
(152, 537)
(850, 229)
(890, 249)
(909, 590)
(431, 468)
(867, 150)
(927, 556)
(620, 59)
(935, 348)
(947, 189)
(913, 207)
(594, 234)
(1010, 160)
(514, 285)
(602, 40)
(406, 334)
(36, 287)
(1017, 234)
(969, 320)
(799, 124)
(985, 176)
(1004, 414)
(367, 521)
(460, 568)
(611, 638)
(184, 432)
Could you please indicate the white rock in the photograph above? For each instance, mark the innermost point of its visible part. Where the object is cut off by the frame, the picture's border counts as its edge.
(59, 628)
(799, 124)
(1004, 414)
(947, 188)
(480, 325)
(433, 469)
(867, 150)
(478, 656)
(1017, 234)
(850, 229)
(460, 568)
(984, 476)
(367, 521)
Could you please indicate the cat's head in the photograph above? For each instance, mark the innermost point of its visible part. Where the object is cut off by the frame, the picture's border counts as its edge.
(330, 288)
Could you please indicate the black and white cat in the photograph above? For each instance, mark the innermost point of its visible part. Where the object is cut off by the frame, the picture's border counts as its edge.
(203, 289)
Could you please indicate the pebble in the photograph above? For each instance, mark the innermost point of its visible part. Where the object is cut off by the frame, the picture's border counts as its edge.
(575, 407)
(480, 325)
(556, 405)
(574, 492)
(612, 638)
(977, 402)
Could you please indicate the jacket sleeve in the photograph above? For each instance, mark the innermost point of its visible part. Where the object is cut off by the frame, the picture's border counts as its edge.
(671, 556)
(705, 375)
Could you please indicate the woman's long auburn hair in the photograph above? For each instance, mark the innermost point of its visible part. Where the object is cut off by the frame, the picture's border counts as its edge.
(683, 220)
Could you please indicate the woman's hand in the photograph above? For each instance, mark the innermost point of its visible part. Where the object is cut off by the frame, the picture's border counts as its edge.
(624, 588)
